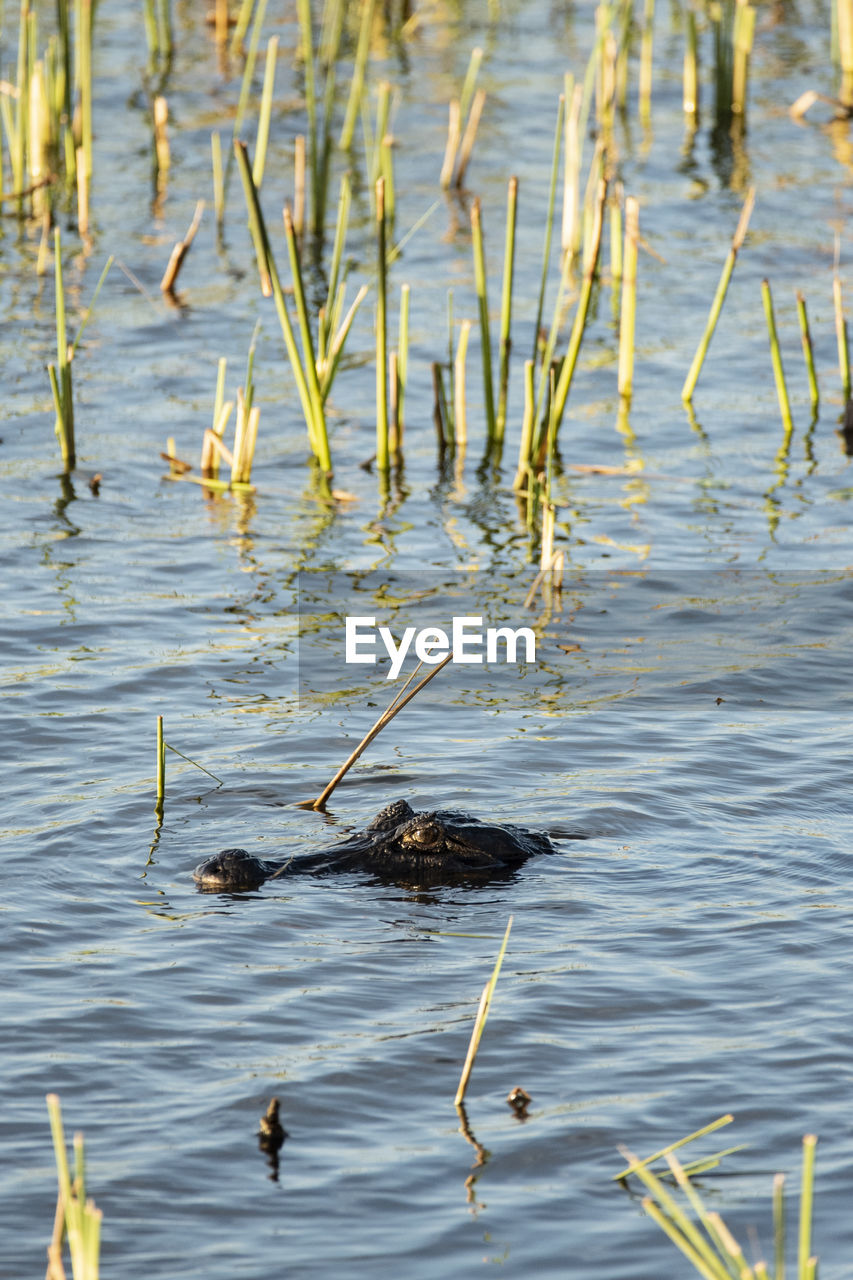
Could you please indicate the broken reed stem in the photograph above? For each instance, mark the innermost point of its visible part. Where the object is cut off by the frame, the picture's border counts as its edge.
(483, 307)
(299, 184)
(628, 310)
(396, 705)
(180, 251)
(776, 357)
(634, 1164)
(480, 1020)
(466, 146)
(80, 1216)
(719, 297)
(454, 133)
(841, 336)
(460, 418)
(526, 444)
(506, 307)
(779, 1226)
(381, 333)
(808, 352)
(571, 229)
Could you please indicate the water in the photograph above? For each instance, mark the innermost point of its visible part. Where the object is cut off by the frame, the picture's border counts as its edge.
(689, 714)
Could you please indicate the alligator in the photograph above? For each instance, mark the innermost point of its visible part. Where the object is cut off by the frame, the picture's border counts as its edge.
(399, 844)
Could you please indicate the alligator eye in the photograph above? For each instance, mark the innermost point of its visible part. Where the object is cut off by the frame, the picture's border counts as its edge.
(423, 836)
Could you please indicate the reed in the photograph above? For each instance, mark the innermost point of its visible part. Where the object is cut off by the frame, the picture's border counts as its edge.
(460, 417)
(582, 310)
(249, 70)
(628, 310)
(60, 373)
(480, 1020)
(719, 298)
(77, 1217)
(180, 251)
(464, 115)
(842, 14)
(841, 332)
(808, 352)
(356, 89)
(776, 357)
(690, 95)
(241, 26)
(265, 112)
(440, 415)
(395, 706)
(218, 182)
(523, 471)
(506, 308)
(381, 332)
(733, 24)
(483, 309)
(571, 226)
(304, 371)
(549, 222)
(403, 355)
(161, 764)
(702, 1235)
(646, 56)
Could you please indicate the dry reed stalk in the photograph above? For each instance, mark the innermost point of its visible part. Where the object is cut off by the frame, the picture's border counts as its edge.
(480, 1020)
(299, 184)
(627, 317)
(460, 417)
(466, 146)
(180, 251)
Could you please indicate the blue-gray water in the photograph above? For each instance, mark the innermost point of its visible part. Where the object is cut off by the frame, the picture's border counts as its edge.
(689, 713)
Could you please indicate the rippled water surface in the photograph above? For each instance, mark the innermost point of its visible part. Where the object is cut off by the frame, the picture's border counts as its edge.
(689, 712)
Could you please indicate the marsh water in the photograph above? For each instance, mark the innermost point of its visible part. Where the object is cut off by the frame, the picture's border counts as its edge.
(688, 713)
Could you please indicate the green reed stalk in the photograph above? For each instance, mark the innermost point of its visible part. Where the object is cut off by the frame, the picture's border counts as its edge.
(440, 416)
(779, 1226)
(646, 54)
(307, 38)
(616, 259)
(316, 424)
(381, 333)
(244, 17)
(250, 367)
(690, 95)
(571, 229)
(218, 181)
(149, 19)
(582, 311)
(357, 83)
(219, 398)
(719, 298)
(265, 112)
(480, 1021)
(742, 36)
(634, 1164)
(403, 354)
(460, 414)
(526, 444)
(506, 307)
(776, 357)
(804, 1249)
(628, 311)
(841, 336)
(249, 69)
(161, 763)
(451, 362)
(483, 306)
(60, 373)
(79, 1215)
(808, 352)
(84, 46)
(18, 142)
(164, 32)
(309, 358)
(549, 222)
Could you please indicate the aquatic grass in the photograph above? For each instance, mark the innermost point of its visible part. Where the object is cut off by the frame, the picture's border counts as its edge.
(480, 1020)
(248, 71)
(523, 471)
(776, 358)
(460, 417)
(395, 706)
(77, 1216)
(808, 352)
(702, 1235)
(440, 415)
(265, 111)
(719, 298)
(403, 354)
(646, 56)
(733, 23)
(573, 149)
(549, 222)
(218, 182)
(627, 314)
